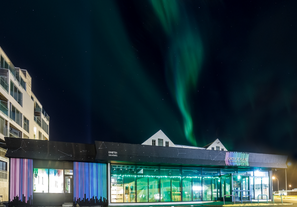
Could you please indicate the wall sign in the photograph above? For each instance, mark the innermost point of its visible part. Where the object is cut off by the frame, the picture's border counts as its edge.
(237, 159)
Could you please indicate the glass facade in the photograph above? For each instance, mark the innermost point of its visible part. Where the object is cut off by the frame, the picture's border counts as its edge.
(150, 184)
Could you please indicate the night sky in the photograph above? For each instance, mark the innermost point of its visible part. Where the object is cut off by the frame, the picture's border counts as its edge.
(199, 70)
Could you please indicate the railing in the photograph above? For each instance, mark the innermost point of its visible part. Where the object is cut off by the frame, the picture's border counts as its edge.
(45, 115)
(3, 130)
(4, 83)
(3, 107)
(14, 132)
(16, 117)
(262, 195)
(37, 119)
(241, 194)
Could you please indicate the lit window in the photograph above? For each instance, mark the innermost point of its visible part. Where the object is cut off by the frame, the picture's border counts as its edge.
(40, 180)
(55, 181)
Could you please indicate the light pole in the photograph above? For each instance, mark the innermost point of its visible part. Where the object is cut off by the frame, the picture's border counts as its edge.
(286, 178)
(273, 178)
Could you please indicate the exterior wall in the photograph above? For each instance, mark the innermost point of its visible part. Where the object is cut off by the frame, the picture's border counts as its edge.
(4, 178)
(156, 136)
(89, 183)
(21, 181)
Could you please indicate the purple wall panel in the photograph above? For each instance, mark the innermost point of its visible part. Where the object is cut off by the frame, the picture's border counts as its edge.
(21, 180)
(89, 183)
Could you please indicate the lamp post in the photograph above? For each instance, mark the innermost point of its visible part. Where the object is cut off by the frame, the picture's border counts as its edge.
(273, 178)
(286, 178)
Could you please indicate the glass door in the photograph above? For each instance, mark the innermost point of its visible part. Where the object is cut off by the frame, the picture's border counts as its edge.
(68, 184)
(257, 187)
(215, 187)
(226, 186)
(245, 185)
(237, 187)
(241, 187)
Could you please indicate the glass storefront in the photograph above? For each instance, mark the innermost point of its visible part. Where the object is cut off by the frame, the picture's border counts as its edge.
(133, 183)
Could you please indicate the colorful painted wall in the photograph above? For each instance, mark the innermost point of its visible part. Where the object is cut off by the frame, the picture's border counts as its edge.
(21, 181)
(89, 183)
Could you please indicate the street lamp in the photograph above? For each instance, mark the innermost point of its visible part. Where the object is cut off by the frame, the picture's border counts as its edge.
(273, 178)
(290, 186)
(286, 178)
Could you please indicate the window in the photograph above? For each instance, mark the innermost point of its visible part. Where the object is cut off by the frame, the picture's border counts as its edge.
(40, 135)
(55, 181)
(48, 180)
(3, 126)
(15, 115)
(167, 144)
(13, 132)
(3, 166)
(1, 61)
(217, 148)
(212, 148)
(26, 124)
(40, 180)
(160, 142)
(15, 93)
(44, 126)
(222, 149)
(23, 83)
(153, 142)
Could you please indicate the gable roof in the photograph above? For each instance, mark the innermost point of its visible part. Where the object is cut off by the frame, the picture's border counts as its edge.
(158, 135)
(215, 143)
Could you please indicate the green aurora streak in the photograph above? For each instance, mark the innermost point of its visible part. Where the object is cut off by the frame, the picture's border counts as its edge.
(184, 58)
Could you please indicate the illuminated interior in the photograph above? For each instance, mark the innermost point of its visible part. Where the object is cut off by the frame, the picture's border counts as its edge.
(40, 180)
(133, 183)
(55, 181)
(48, 180)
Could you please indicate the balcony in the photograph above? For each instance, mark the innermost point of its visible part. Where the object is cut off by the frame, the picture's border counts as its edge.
(4, 78)
(3, 107)
(4, 83)
(37, 111)
(37, 119)
(45, 115)
(3, 130)
(14, 133)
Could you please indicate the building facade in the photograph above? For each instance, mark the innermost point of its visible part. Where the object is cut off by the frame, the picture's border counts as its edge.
(115, 174)
(21, 114)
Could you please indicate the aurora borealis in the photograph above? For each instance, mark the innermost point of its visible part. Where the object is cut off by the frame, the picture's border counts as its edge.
(184, 57)
(120, 70)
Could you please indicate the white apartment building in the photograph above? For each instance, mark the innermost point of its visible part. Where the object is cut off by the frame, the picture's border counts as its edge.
(21, 114)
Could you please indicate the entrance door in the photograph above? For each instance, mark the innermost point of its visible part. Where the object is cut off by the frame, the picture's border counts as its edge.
(241, 187)
(215, 187)
(68, 184)
(226, 187)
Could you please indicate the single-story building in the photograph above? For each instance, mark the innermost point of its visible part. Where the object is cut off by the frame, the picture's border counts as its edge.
(115, 174)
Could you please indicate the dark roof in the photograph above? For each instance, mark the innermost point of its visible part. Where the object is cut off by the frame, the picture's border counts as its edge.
(49, 150)
(130, 153)
(206, 146)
